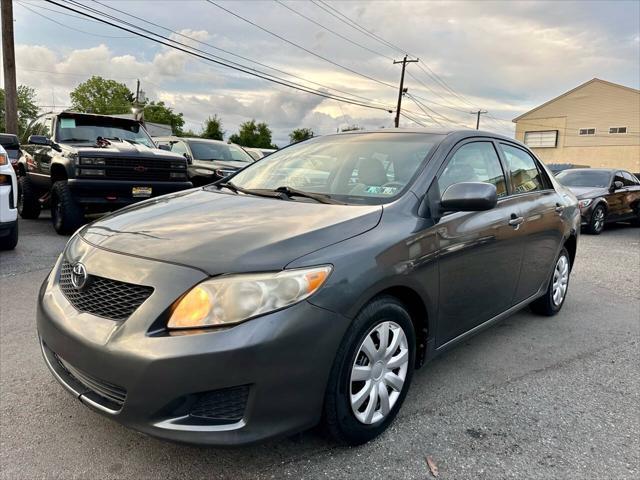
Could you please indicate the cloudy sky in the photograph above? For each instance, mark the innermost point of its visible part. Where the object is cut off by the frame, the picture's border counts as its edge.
(504, 57)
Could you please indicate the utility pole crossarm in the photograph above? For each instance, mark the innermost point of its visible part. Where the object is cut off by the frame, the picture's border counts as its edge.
(401, 90)
(478, 113)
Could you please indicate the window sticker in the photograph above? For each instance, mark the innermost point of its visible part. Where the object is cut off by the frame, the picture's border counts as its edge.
(382, 190)
(67, 123)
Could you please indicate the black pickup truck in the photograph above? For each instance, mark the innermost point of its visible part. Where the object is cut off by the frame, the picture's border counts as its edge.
(80, 163)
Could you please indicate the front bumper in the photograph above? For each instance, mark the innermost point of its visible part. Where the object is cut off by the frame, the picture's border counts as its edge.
(284, 358)
(119, 192)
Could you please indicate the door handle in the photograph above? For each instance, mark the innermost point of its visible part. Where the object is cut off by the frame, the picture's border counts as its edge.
(516, 221)
(559, 208)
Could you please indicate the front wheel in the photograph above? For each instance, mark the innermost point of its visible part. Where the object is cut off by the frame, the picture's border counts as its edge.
(28, 202)
(596, 224)
(553, 299)
(371, 374)
(67, 216)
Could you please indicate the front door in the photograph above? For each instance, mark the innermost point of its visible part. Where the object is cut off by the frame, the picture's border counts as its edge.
(479, 252)
(543, 216)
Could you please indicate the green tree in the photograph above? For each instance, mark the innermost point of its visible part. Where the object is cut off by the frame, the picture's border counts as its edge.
(101, 95)
(212, 128)
(351, 128)
(27, 108)
(188, 133)
(158, 112)
(300, 134)
(253, 135)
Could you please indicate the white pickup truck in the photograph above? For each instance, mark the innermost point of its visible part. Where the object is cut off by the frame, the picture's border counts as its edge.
(8, 202)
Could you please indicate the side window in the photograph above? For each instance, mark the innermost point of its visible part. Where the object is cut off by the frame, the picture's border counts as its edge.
(525, 176)
(628, 179)
(618, 177)
(179, 147)
(40, 126)
(474, 162)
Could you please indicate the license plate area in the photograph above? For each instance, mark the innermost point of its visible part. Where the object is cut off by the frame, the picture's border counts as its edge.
(141, 192)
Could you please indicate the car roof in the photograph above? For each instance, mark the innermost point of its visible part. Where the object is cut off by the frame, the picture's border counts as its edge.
(195, 139)
(608, 170)
(461, 132)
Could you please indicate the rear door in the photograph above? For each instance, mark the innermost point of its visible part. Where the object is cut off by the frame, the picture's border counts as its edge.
(479, 253)
(631, 200)
(542, 211)
(617, 198)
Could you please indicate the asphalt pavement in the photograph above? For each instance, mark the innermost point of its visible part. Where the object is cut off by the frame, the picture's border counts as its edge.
(532, 397)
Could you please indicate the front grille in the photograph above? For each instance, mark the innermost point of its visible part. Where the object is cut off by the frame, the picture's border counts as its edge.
(103, 296)
(113, 394)
(151, 169)
(227, 404)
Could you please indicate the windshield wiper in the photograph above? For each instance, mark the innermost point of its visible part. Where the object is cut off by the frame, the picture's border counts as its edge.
(75, 140)
(318, 197)
(260, 193)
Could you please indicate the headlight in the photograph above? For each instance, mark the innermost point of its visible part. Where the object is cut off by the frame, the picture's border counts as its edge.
(234, 298)
(585, 203)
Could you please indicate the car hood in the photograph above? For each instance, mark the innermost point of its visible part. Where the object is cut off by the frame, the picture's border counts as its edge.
(588, 192)
(123, 149)
(224, 232)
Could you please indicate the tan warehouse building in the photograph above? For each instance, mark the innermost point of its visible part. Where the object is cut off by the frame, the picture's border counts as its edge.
(595, 124)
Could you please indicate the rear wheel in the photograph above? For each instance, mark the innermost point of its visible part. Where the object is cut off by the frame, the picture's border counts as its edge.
(28, 203)
(596, 224)
(67, 216)
(9, 241)
(553, 299)
(371, 373)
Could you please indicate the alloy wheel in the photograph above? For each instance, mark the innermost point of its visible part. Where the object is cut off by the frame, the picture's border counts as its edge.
(560, 280)
(378, 373)
(598, 219)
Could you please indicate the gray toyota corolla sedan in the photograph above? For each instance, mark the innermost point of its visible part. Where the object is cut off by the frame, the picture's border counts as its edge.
(307, 287)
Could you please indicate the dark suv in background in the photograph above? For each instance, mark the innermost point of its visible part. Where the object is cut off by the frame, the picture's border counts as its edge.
(209, 160)
(83, 163)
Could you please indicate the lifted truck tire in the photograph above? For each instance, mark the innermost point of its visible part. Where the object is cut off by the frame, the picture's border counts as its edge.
(67, 216)
(28, 204)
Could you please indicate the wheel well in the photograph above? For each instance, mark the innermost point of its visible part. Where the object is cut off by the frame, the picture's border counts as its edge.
(58, 173)
(571, 244)
(21, 171)
(418, 313)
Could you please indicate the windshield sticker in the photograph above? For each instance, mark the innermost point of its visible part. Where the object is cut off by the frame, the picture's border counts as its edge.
(67, 123)
(382, 190)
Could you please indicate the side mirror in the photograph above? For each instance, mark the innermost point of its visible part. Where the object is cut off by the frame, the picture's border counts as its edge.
(164, 147)
(188, 157)
(469, 197)
(617, 185)
(39, 140)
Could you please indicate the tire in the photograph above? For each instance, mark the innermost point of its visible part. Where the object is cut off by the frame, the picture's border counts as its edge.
(28, 204)
(596, 223)
(67, 216)
(9, 242)
(339, 417)
(549, 304)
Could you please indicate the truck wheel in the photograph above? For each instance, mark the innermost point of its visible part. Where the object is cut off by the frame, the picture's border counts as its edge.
(10, 241)
(28, 204)
(67, 216)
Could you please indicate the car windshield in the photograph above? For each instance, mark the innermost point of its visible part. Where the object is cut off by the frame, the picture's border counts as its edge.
(364, 168)
(218, 151)
(10, 144)
(584, 178)
(86, 129)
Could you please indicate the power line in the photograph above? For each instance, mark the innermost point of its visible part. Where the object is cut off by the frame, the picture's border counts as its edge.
(353, 42)
(352, 23)
(236, 55)
(310, 52)
(166, 41)
(423, 110)
(447, 119)
(68, 26)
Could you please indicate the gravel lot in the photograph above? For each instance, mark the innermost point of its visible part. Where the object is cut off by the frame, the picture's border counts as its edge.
(530, 398)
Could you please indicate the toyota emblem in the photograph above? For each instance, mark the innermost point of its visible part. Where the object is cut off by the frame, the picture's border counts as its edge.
(79, 276)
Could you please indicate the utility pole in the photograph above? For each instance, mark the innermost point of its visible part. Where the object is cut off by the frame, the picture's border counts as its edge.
(402, 90)
(9, 66)
(478, 113)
